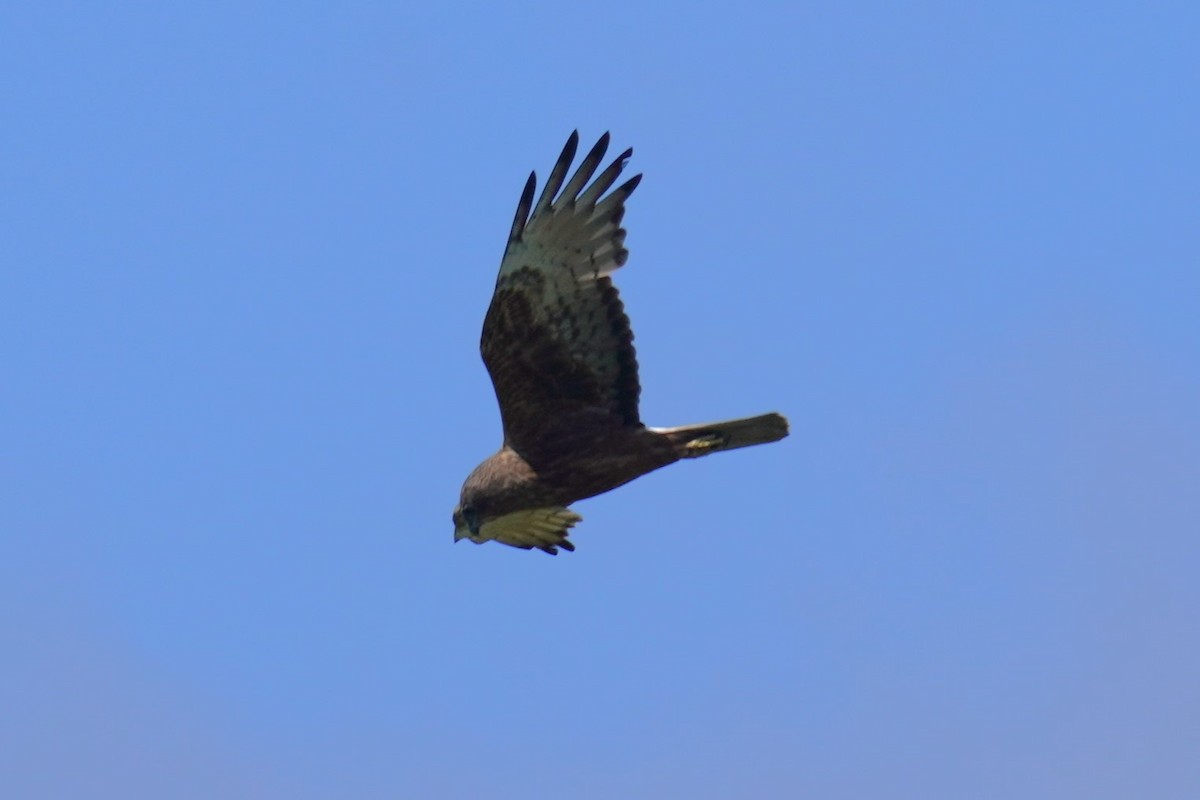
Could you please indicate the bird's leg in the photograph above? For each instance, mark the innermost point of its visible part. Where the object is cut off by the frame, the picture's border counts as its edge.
(704, 444)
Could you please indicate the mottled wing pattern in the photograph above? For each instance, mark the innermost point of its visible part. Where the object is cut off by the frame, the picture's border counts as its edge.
(556, 340)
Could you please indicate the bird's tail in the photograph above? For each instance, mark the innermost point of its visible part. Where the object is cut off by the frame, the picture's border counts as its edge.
(693, 441)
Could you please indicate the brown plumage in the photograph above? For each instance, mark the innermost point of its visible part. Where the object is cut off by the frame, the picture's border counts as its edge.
(559, 349)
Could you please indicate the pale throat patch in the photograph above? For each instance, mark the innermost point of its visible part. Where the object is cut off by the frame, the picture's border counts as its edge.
(531, 527)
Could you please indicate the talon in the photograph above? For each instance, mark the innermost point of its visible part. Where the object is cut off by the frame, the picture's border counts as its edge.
(703, 445)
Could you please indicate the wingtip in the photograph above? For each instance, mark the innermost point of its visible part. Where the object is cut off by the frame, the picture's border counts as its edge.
(523, 205)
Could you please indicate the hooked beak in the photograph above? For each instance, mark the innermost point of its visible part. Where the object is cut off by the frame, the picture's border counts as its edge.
(466, 525)
(466, 532)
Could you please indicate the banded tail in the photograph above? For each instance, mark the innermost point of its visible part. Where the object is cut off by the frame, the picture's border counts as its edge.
(693, 441)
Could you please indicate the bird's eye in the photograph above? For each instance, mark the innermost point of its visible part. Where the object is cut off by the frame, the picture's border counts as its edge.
(470, 517)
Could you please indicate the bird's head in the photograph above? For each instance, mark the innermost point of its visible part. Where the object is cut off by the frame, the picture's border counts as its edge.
(502, 501)
(466, 523)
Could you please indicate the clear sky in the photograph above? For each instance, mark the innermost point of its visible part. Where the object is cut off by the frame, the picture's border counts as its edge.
(246, 252)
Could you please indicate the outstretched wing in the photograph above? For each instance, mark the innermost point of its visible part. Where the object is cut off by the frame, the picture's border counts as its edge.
(556, 340)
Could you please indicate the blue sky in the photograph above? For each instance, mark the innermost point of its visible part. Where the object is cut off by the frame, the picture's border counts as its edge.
(247, 251)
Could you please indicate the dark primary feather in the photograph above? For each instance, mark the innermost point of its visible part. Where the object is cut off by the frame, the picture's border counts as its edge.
(558, 173)
(556, 339)
(522, 215)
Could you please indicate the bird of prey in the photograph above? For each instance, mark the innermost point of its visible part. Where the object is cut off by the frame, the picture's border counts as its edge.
(559, 350)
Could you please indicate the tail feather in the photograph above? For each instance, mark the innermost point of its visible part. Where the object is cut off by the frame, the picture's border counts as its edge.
(693, 441)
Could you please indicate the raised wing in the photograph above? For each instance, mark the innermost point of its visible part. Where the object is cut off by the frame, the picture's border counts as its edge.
(556, 340)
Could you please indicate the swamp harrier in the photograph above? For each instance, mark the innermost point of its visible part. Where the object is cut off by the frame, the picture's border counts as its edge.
(558, 347)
